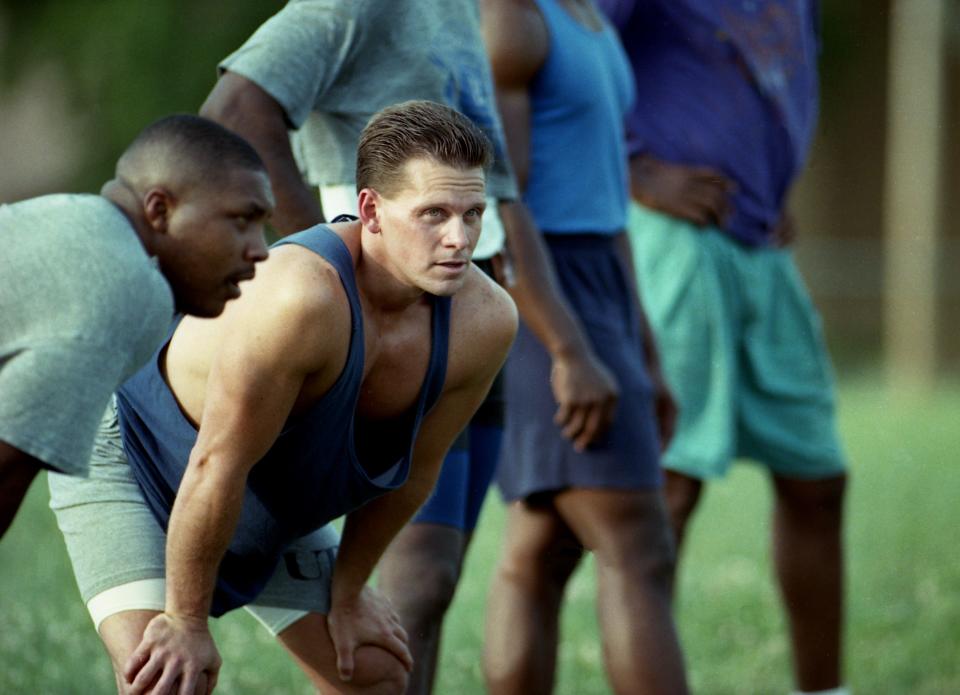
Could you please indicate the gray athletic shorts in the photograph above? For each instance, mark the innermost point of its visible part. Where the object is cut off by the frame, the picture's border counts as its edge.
(117, 547)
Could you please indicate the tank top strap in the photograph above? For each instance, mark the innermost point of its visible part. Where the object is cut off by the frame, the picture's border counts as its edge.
(324, 242)
(439, 350)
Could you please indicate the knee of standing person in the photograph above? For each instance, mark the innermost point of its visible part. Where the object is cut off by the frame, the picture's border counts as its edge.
(812, 496)
(426, 591)
(541, 562)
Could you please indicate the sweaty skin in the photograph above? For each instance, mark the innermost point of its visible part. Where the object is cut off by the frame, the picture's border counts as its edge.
(273, 353)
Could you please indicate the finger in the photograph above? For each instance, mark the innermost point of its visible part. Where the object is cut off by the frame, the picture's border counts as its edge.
(167, 685)
(212, 677)
(135, 662)
(562, 416)
(592, 428)
(712, 199)
(401, 651)
(188, 683)
(145, 677)
(706, 173)
(345, 662)
(691, 211)
(575, 424)
(401, 634)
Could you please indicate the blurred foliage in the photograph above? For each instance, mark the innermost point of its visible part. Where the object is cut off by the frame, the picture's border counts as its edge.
(125, 63)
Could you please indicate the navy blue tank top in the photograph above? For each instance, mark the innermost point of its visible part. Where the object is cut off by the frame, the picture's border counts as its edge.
(318, 468)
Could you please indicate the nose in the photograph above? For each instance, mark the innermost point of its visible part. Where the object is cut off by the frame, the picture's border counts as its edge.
(256, 250)
(456, 235)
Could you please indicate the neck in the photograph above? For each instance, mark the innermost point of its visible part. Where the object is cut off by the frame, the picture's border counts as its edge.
(125, 199)
(384, 289)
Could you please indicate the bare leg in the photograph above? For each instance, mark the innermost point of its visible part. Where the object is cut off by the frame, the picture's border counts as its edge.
(682, 493)
(629, 534)
(539, 555)
(808, 556)
(419, 574)
(376, 671)
(17, 471)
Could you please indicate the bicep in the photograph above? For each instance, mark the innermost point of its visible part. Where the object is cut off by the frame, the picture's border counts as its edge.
(250, 393)
(266, 351)
(242, 105)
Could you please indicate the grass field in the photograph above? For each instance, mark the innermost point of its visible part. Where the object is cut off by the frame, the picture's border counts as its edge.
(903, 606)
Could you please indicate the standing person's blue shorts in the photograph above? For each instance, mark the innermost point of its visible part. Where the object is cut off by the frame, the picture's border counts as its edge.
(541, 459)
(742, 349)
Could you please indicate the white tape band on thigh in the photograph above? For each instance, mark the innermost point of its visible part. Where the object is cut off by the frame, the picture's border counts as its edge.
(144, 594)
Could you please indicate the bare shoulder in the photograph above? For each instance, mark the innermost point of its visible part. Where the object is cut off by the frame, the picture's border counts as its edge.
(516, 38)
(296, 305)
(483, 324)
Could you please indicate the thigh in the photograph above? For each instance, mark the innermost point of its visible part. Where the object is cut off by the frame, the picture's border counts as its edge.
(618, 525)
(787, 419)
(111, 536)
(538, 541)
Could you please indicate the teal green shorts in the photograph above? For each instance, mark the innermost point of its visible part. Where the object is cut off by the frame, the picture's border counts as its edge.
(742, 348)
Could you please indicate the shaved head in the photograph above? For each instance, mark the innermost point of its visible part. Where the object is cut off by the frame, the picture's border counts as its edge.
(183, 150)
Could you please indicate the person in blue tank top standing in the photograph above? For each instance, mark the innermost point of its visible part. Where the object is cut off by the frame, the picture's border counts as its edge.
(359, 352)
(726, 111)
(564, 88)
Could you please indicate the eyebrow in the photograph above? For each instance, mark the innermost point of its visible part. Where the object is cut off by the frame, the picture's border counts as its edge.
(256, 210)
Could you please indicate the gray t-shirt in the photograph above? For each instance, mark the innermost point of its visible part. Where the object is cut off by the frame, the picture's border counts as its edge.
(82, 307)
(333, 64)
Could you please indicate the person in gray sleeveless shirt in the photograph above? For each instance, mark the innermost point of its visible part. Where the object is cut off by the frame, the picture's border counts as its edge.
(89, 284)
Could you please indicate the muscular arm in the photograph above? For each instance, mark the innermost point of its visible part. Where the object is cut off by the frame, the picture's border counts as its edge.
(477, 351)
(261, 361)
(244, 107)
(585, 391)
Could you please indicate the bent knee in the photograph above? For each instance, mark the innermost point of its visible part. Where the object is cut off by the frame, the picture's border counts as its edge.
(379, 672)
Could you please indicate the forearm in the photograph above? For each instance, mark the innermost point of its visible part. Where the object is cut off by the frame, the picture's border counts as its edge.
(203, 520)
(536, 290)
(368, 531)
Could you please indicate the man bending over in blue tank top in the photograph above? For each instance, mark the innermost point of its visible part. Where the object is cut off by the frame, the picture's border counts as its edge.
(335, 387)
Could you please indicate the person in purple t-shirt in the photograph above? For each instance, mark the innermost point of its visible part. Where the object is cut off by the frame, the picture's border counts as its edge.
(725, 112)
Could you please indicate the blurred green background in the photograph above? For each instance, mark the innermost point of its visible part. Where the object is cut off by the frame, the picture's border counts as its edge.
(79, 78)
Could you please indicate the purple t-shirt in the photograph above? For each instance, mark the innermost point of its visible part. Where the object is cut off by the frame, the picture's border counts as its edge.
(730, 84)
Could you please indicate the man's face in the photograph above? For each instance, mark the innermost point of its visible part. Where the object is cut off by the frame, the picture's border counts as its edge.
(431, 225)
(214, 239)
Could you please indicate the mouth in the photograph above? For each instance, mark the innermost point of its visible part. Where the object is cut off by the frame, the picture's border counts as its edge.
(235, 279)
(453, 266)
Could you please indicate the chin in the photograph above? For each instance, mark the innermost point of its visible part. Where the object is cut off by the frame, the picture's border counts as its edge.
(447, 289)
(206, 310)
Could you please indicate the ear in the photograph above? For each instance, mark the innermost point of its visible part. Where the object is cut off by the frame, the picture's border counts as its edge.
(157, 205)
(368, 207)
